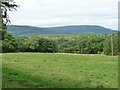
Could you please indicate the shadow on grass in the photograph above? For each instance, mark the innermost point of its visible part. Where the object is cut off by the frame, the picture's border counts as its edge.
(17, 79)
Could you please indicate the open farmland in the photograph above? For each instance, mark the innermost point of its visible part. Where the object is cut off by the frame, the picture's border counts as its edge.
(45, 70)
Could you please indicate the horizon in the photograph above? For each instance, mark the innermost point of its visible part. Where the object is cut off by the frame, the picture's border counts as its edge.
(62, 26)
(55, 13)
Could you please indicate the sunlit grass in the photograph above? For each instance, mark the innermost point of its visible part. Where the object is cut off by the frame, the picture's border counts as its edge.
(59, 70)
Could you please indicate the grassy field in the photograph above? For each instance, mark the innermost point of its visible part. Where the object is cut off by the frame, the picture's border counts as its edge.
(59, 70)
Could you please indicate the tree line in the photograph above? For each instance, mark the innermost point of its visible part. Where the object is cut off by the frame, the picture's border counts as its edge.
(90, 43)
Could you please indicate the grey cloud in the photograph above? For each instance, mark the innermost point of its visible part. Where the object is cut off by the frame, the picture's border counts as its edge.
(64, 12)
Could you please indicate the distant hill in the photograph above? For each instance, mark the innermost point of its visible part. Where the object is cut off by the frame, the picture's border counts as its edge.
(30, 30)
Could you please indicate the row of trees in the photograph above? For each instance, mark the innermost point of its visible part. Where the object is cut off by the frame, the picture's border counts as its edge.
(28, 44)
(83, 44)
(92, 44)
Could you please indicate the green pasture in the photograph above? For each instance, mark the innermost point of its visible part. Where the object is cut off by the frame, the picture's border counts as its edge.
(45, 70)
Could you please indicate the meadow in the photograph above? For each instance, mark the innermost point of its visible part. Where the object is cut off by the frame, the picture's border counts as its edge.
(46, 70)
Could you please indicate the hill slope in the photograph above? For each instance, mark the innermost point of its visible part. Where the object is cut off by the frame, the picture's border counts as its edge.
(30, 30)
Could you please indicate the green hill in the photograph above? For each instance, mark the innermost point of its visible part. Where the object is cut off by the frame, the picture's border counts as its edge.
(30, 30)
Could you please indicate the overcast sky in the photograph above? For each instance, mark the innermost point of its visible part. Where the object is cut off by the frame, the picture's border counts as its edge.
(66, 12)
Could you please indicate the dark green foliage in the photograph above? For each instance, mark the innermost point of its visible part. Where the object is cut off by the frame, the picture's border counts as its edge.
(71, 43)
(3, 31)
(92, 45)
(108, 45)
(9, 43)
(82, 43)
(36, 44)
(22, 44)
(43, 45)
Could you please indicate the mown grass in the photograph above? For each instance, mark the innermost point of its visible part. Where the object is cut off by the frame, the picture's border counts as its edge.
(45, 70)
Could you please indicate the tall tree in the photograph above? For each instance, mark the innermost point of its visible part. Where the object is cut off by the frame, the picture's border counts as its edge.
(6, 5)
(8, 42)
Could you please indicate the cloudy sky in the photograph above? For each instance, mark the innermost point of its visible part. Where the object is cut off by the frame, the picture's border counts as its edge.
(51, 13)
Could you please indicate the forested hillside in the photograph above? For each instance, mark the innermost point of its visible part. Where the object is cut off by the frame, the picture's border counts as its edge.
(30, 30)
